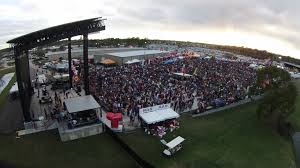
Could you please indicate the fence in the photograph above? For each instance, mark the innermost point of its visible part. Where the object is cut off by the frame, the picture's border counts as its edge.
(130, 151)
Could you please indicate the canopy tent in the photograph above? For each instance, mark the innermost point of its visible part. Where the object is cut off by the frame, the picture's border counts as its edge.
(159, 113)
(81, 103)
(175, 142)
(133, 61)
(108, 62)
(114, 118)
(183, 74)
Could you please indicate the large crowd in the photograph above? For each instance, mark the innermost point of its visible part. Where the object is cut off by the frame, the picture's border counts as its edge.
(131, 87)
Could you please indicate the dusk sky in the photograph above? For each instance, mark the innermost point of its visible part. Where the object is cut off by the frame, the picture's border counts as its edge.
(271, 25)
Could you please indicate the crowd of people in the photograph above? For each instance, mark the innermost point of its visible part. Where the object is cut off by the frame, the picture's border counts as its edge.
(129, 88)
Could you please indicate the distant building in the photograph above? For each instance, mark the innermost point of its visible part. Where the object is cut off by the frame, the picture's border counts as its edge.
(123, 57)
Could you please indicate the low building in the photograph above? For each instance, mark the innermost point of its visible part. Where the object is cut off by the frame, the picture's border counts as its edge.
(123, 57)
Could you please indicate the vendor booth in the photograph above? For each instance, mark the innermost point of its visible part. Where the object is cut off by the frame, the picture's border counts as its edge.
(157, 120)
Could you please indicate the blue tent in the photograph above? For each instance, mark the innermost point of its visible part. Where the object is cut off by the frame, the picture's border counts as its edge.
(219, 103)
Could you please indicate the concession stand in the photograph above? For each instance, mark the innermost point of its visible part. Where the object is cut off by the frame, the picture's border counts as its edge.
(157, 120)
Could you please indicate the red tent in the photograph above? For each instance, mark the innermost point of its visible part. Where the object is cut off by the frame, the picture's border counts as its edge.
(114, 118)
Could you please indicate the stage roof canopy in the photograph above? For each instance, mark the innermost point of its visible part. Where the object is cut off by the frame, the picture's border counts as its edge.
(81, 103)
(56, 33)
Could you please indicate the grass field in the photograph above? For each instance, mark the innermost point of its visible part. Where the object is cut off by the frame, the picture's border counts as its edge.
(45, 150)
(229, 139)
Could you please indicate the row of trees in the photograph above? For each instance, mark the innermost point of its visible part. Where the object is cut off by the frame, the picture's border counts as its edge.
(279, 99)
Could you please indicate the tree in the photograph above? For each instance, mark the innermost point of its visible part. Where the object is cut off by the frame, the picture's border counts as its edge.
(279, 98)
(272, 77)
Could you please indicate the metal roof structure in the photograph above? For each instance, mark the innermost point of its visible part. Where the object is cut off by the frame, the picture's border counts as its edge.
(81, 103)
(56, 33)
(136, 53)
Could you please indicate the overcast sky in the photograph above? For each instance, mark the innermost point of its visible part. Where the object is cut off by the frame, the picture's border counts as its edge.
(271, 25)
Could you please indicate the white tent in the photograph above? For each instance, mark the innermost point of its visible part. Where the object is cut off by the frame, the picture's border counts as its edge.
(133, 61)
(158, 113)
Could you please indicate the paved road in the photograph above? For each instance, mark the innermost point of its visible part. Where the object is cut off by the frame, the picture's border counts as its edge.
(11, 117)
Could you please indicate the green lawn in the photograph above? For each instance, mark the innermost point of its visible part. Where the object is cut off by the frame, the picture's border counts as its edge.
(45, 150)
(233, 138)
